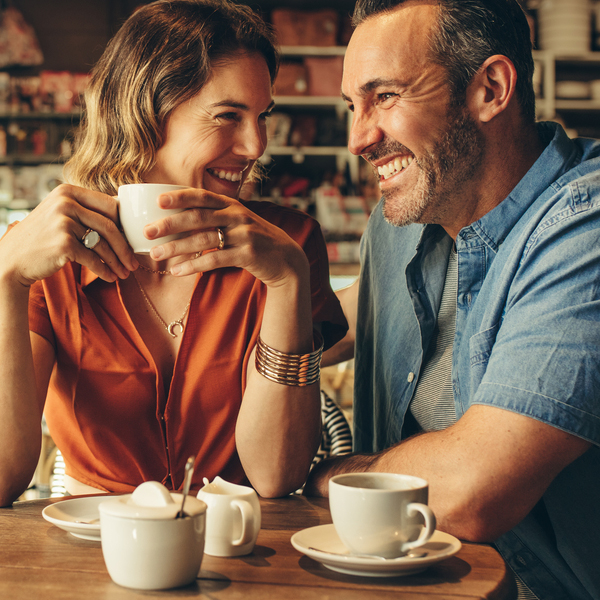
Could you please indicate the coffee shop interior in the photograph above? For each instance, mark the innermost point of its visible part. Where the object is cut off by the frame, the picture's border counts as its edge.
(48, 48)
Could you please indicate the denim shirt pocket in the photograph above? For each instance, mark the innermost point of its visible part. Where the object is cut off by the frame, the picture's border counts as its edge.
(480, 350)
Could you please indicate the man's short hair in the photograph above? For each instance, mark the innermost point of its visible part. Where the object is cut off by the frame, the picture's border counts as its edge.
(468, 33)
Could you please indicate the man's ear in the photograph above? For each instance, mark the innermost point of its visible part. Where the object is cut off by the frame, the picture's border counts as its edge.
(493, 87)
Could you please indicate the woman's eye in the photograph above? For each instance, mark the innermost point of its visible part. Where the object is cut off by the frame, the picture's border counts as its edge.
(230, 116)
(265, 116)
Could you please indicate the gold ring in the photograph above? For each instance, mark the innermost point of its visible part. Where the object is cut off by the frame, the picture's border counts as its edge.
(221, 239)
(90, 238)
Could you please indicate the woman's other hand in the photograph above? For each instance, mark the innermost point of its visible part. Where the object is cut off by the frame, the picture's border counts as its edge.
(250, 242)
(51, 236)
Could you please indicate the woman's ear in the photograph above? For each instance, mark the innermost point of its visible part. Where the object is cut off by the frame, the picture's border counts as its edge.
(493, 87)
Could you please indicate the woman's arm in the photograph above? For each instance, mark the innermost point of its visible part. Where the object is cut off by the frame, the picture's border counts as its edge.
(278, 427)
(25, 372)
(32, 250)
(20, 412)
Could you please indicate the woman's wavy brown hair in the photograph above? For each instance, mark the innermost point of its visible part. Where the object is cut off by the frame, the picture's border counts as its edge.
(161, 57)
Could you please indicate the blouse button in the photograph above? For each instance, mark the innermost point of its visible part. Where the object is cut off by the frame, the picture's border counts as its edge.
(410, 377)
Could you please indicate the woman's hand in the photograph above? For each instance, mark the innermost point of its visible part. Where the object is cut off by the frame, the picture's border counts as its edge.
(51, 236)
(251, 243)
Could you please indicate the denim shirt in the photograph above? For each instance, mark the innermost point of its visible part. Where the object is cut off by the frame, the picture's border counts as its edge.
(527, 340)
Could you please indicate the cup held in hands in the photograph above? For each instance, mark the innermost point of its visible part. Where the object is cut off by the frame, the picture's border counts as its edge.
(138, 207)
(381, 513)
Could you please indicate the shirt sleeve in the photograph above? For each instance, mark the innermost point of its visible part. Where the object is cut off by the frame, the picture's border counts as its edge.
(39, 317)
(542, 357)
(326, 309)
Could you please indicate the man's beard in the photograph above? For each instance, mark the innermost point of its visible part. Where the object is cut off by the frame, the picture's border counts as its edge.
(443, 173)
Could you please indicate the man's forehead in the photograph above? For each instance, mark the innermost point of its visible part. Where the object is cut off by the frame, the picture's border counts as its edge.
(385, 45)
(407, 23)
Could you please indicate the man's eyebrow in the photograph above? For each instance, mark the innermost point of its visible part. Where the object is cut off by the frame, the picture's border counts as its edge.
(368, 87)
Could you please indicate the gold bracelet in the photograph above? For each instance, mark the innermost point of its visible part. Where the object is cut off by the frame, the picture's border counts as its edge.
(290, 369)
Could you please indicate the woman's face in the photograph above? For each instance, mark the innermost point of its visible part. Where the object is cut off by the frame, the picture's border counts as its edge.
(213, 140)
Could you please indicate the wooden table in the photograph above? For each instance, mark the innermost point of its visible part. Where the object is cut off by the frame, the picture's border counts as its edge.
(42, 562)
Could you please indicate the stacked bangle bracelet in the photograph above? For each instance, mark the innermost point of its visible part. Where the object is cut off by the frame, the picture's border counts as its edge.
(290, 369)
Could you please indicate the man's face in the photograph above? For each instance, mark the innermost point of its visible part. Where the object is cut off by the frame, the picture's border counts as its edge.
(424, 150)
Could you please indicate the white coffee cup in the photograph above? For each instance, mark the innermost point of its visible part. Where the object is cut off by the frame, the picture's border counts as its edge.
(380, 513)
(145, 547)
(138, 207)
(233, 518)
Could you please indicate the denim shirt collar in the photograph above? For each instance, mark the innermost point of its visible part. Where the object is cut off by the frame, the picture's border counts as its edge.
(559, 156)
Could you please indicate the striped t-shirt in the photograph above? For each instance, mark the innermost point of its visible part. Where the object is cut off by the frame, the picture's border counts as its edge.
(432, 405)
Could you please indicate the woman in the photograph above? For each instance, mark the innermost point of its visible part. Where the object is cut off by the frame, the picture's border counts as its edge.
(180, 96)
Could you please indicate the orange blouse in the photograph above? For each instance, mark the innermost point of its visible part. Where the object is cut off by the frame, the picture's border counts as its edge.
(106, 408)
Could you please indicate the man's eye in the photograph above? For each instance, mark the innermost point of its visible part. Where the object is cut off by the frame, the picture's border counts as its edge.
(386, 96)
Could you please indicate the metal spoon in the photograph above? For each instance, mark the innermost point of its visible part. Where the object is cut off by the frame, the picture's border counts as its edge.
(189, 471)
(412, 554)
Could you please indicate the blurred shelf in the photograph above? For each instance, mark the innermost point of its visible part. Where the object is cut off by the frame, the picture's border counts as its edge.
(313, 50)
(327, 101)
(344, 269)
(40, 116)
(307, 150)
(30, 159)
(576, 104)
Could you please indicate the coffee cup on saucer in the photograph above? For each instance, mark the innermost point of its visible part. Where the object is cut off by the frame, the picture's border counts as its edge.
(145, 546)
(381, 514)
(233, 518)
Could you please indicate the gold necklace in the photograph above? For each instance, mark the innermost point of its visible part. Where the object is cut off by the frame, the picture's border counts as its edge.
(149, 270)
(171, 326)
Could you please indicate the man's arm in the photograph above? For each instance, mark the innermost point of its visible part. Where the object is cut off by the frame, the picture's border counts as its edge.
(485, 473)
(344, 349)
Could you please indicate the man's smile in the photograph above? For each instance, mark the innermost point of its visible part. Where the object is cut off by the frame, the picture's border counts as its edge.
(394, 166)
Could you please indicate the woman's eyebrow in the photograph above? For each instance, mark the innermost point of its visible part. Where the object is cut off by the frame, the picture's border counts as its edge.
(238, 105)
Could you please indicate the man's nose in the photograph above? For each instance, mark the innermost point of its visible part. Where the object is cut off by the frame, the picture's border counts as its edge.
(364, 132)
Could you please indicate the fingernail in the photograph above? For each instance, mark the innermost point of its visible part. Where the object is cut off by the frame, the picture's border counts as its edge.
(165, 201)
(157, 252)
(176, 270)
(134, 263)
(150, 230)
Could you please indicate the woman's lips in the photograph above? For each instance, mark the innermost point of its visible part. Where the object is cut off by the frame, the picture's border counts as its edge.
(226, 174)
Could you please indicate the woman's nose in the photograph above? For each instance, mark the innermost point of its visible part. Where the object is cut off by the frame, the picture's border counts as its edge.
(252, 141)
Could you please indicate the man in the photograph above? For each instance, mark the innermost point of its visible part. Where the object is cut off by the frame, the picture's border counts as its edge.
(478, 306)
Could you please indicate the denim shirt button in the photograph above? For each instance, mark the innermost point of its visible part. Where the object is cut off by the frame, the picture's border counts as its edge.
(410, 377)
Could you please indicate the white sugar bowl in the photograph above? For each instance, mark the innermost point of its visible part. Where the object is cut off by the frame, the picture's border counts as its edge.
(144, 545)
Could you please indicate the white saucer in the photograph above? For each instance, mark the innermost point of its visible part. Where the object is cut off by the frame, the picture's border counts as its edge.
(320, 541)
(66, 514)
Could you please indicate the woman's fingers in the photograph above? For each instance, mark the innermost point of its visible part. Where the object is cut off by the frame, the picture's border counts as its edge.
(99, 212)
(52, 235)
(247, 241)
(112, 247)
(194, 243)
(101, 258)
